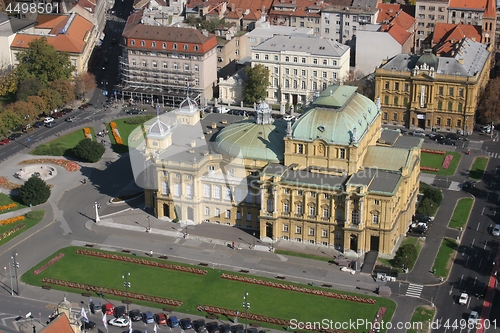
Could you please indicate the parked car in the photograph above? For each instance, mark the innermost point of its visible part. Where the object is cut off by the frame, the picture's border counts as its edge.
(48, 120)
(251, 330)
(57, 115)
(119, 322)
(237, 328)
(108, 308)
(224, 328)
(120, 311)
(222, 109)
(38, 124)
(28, 128)
(90, 325)
(199, 326)
(186, 324)
(70, 119)
(453, 136)
(463, 299)
(418, 133)
(496, 230)
(161, 319)
(14, 136)
(135, 315)
(83, 107)
(134, 111)
(473, 317)
(212, 327)
(448, 142)
(50, 125)
(436, 137)
(147, 317)
(4, 142)
(95, 307)
(421, 218)
(173, 322)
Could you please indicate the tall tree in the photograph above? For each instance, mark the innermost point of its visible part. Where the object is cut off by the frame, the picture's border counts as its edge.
(23, 109)
(8, 81)
(84, 83)
(487, 109)
(34, 191)
(65, 88)
(43, 61)
(10, 119)
(52, 98)
(28, 87)
(256, 86)
(39, 105)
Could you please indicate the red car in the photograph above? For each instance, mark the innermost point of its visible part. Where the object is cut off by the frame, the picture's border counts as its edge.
(109, 309)
(161, 319)
(4, 142)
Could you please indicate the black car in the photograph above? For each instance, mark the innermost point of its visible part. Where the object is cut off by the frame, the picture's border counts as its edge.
(448, 142)
(120, 311)
(225, 328)
(135, 315)
(51, 124)
(134, 111)
(199, 326)
(421, 218)
(469, 184)
(38, 124)
(436, 137)
(237, 328)
(15, 136)
(452, 136)
(95, 307)
(251, 330)
(186, 324)
(212, 327)
(90, 325)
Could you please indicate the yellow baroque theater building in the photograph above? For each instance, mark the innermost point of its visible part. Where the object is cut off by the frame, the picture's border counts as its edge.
(332, 177)
(430, 92)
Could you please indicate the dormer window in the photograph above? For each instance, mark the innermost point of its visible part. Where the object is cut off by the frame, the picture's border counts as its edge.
(153, 45)
(132, 42)
(175, 47)
(143, 43)
(196, 47)
(185, 46)
(164, 45)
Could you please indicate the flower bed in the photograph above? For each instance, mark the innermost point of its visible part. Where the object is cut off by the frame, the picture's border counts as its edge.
(298, 289)
(6, 184)
(115, 292)
(447, 161)
(50, 263)
(68, 165)
(375, 327)
(432, 151)
(256, 317)
(141, 261)
(11, 231)
(115, 132)
(9, 206)
(431, 169)
(12, 220)
(88, 133)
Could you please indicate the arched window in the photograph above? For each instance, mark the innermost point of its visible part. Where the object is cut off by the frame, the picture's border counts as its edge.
(175, 47)
(153, 44)
(132, 42)
(143, 43)
(185, 46)
(196, 47)
(164, 45)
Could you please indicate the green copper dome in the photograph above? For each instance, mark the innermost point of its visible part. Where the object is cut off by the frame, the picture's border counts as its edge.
(429, 59)
(339, 116)
(253, 141)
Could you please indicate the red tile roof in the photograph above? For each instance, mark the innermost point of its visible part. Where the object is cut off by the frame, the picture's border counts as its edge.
(490, 11)
(387, 11)
(468, 4)
(446, 32)
(59, 325)
(72, 41)
(404, 20)
(397, 32)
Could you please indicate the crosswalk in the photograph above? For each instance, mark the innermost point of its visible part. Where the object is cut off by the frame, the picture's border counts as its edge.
(414, 290)
(493, 155)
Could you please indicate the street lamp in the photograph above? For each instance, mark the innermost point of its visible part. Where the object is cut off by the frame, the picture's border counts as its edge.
(10, 273)
(149, 225)
(15, 264)
(246, 306)
(253, 246)
(97, 206)
(126, 284)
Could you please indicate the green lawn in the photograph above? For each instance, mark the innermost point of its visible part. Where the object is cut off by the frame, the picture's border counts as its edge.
(444, 258)
(461, 213)
(421, 318)
(303, 255)
(477, 170)
(209, 289)
(7, 200)
(125, 128)
(436, 161)
(62, 145)
(28, 223)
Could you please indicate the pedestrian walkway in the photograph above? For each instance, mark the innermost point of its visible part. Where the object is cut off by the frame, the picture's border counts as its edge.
(414, 290)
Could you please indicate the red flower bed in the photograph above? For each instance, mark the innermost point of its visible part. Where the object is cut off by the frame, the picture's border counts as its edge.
(377, 319)
(110, 291)
(447, 161)
(432, 151)
(68, 165)
(11, 231)
(50, 263)
(6, 184)
(423, 168)
(299, 289)
(139, 261)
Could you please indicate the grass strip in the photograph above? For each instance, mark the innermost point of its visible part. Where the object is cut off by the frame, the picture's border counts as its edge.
(436, 161)
(478, 168)
(444, 258)
(461, 213)
(421, 319)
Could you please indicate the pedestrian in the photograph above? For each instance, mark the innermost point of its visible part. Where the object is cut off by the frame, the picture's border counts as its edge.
(84, 181)
(233, 245)
(151, 253)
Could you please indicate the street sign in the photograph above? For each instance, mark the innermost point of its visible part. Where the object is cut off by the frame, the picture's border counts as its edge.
(28, 315)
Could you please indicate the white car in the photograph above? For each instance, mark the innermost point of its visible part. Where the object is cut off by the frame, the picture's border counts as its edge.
(463, 299)
(222, 109)
(119, 322)
(48, 120)
(496, 230)
(418, 133)
(473, 317)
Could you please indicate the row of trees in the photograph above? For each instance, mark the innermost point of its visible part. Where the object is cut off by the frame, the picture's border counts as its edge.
(42, 82)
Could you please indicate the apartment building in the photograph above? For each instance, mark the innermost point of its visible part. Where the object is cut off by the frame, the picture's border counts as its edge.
(300, 66)
(431, 92)
(297, 13)
(69, 33)
(164, 64)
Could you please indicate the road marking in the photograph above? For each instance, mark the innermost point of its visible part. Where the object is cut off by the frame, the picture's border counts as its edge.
(414, 290)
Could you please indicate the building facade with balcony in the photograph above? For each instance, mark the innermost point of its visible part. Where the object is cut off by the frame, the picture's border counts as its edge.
(165, 64)
(300, 66)
(325, 180)
(431, 92)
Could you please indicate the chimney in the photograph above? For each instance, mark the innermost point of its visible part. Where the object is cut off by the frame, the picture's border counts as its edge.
(205, 32)
(193, 144)
(233, 7)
